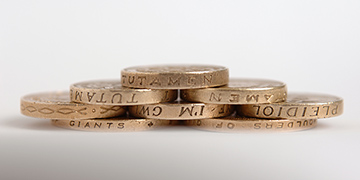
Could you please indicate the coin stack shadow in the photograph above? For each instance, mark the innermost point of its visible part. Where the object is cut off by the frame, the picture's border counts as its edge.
(146, 97)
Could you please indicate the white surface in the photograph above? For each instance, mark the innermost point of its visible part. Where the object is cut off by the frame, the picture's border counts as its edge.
(311, 45)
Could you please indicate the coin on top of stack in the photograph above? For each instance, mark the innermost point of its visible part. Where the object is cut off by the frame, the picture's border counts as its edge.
(111, 92)
(175, 76)
(297, 106)
(57, 105)
(181, 110)
(240, 124)
(239, 91)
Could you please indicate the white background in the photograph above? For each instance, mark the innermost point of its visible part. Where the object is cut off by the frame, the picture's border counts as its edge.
(313, 46)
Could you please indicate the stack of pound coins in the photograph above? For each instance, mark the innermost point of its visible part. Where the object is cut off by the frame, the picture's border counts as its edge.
(200, 96)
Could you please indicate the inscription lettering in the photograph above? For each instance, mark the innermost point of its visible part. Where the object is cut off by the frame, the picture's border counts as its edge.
(252, 97)
(268, 111)
(190, 80)
(334, 111)
(230, 125)
(98, 125)
(292, 111)
(78, 95)
(316, 111)
(268, 126)
(257, 125)
(171, 82)
(90, 96)
(72, 123)
(132, 99)
(87, 125)
(131, 79)
(142, 79)
(267, 97)
(155, 109)
(101, 99)
(144, 110)
(208, 80)
(121, 125)
(234, 98)
(290, 125)
(123, 77)
(214, 97)
(156, 81)
(183, 110)
(116, 95)
(109, 125)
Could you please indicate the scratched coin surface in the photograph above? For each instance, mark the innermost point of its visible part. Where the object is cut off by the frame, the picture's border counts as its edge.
(111, 92)
(239, 124)
(57, 105)
(297, 106)
(124, 124)
(181, 110)
(175, 76)
(239, 91)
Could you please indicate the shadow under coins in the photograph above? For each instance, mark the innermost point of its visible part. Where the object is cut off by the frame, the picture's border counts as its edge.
(27, 123)
(19, 122)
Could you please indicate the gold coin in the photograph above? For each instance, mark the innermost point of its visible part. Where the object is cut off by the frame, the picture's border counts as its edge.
(175, 76)
(233, 124)
(57, 105)
(239, 91)
(110, 92)
(297, 106)
(112, 125)
(181, 110)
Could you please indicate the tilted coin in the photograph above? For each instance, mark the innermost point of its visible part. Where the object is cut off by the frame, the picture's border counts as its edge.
(57, 105)
(297, 106)
(175, 76)
(110, 92)
(112, 124)
(181, 110)
(233, 124)
(239, 91)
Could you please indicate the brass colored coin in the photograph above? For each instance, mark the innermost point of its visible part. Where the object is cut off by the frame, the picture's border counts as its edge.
(112, 125)
(233, 124)
(297, 106)
(110, 92)
(175, 76)
(57, 105)
(239, 91)
(181, 110)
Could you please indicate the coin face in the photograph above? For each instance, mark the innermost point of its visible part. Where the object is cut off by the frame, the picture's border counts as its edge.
(253, 84)
(100, 84)
(312, 98)
(297, 106)
(175, 69)
(239, 91)
(175, 76)
(111, 92)
(57, 105)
